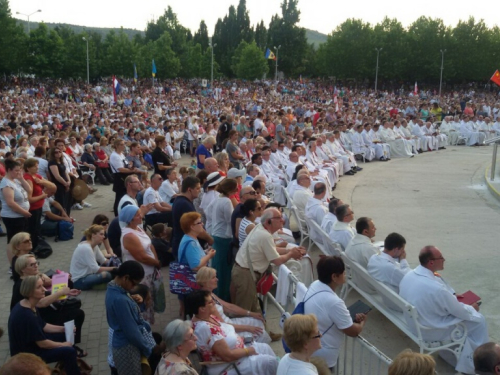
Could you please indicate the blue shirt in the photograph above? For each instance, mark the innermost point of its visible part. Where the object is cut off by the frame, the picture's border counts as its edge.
(190, 252)
(202, 150)
(180, 206)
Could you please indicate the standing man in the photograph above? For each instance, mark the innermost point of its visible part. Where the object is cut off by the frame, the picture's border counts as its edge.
(190, 190)
(438, 307)
(262, 251)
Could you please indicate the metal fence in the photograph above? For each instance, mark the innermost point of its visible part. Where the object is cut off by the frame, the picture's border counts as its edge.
(357, 355)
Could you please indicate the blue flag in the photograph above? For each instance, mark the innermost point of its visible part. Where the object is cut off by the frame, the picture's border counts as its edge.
(135, 74)
(270, 55)
(154, 68)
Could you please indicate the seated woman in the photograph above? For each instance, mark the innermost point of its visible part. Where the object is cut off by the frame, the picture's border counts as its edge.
(218, 341)
(103, 221)
(301, 335)
(180, 340)
(190, 250)
(161, 237)
(49, 307)
(28, 333)
(20, 244)
(85, 267)
(243, 321)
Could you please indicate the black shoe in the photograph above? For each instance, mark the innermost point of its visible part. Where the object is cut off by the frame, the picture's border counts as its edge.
(334, 187)
(420, 151)
(382, 159)
(350, 173)
(359, 169)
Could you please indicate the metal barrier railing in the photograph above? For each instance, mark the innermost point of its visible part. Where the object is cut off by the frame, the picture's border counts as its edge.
(495, 141)
(357, 355)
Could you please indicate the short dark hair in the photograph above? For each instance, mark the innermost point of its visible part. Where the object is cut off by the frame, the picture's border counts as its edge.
(195, 300)
(393, 241)
(255, 157)
(425, 255)
(485, 358)
(341, 212)
(249, 205)
(363, 223)
(333, 205)
(319, 188)
(40, 151)
(257, 184)
(189, 182)
(11, 164)
(328, 266)
(130, 268)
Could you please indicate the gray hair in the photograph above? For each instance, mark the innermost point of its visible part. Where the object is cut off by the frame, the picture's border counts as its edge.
(210, 140)
(341, 212)
(28, 285)
(268, 214)
(95, 144)
(174, 333)
(88, 146)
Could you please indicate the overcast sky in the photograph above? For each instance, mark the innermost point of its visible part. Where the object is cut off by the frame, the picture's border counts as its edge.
(320, 15)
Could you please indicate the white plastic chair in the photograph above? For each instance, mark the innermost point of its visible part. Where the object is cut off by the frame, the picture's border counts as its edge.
(89, 172)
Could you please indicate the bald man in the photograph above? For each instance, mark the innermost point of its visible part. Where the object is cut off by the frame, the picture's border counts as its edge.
(487, 359)
(211, 165)
(439, 309)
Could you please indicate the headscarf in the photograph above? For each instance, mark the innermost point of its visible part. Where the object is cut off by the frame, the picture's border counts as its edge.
(127, 213)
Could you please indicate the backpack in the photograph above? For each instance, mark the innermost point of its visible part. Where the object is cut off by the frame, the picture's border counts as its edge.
(300, 309)
(43, 249)
(65, 230)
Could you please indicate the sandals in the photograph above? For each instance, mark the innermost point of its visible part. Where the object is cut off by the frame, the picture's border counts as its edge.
(80, 353)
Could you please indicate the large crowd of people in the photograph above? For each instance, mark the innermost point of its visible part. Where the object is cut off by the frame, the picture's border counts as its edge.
(264, 159)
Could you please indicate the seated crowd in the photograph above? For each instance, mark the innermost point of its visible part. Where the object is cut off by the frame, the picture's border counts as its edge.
(263, 172)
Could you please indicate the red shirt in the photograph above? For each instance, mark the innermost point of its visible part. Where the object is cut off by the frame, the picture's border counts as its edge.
(37, 191)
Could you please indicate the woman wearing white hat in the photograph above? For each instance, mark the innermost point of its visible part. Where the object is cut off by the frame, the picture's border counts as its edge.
(213, 179)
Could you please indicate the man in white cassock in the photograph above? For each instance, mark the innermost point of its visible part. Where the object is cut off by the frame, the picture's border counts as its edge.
(330, 218)
(416, 130)
(342, 232)
(432, 141)
(359, 146)
(439, 310)
(486, 127)
(382, 150)
(361, 249)
(467, 130)
(449, 130)
(269, 171)
(348, 164)
(325, 154)
(400, 148)
(320, 165)
(400, 132)
(316, 210)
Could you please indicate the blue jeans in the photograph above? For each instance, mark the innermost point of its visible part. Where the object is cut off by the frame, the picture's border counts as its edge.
(89, 281)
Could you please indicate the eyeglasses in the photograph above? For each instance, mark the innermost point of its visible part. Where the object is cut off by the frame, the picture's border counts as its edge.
(134, 282)
(277, 217)
(104, 223)
(253, 192)
(319, 335)
(27, 240)
(34, 264)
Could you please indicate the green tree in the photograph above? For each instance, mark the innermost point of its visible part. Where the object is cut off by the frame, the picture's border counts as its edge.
(168, 22)
(119, 54)
(166, 61)
(191, 61)
(206, 65)
(13, 41)
(260, 35)
(46, 52)
(283, 31)
(201, 36)
(252, 64)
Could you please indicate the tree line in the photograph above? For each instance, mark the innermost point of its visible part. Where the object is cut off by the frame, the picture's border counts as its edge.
(469, 50)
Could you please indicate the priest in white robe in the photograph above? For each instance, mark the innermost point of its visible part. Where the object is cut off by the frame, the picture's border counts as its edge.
(399, 147)
(450, 131)
(382, 150)
(439, 309)
(359, 146)
(473, 137)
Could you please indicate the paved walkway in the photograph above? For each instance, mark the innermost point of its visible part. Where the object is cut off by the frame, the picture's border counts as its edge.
(435, 198)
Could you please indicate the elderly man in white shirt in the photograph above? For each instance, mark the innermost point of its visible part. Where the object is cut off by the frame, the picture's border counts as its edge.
(439, 309)
(361, 249)
(302, 192)
(316, 210)
(342, 232)
(385, 268)
(169, 188)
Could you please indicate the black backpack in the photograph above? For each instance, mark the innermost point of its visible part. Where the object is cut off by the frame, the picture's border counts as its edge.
(43, 249)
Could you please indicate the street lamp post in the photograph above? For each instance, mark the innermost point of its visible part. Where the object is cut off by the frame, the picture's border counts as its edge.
(212, 46)
(276, 71)
(28, 16)
(442, 67)
(376, 69)
(88, 70)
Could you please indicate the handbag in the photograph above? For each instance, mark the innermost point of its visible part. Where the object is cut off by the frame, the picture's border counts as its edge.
(101, 164)
(69, 303)
(266, 281)
(159, 299)
(182, 278)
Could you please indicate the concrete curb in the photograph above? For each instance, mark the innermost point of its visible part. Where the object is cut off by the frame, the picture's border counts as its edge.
(491, 188)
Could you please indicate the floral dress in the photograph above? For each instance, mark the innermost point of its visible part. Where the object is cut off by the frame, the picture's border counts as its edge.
(209, 332)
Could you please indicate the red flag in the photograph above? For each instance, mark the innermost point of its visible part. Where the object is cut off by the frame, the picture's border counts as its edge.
(496, 77)
(415, 91)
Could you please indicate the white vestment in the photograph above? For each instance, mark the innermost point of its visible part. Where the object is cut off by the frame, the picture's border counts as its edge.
(360, 250)
(400, 148)
(315, 211)
(359, 147)
(342, 233)
(439, 310)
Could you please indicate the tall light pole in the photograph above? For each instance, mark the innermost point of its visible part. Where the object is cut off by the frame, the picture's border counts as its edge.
(212, 46)
(88, 71)
(442, 67)
(276, 71)
(28, 16)
(376, 69)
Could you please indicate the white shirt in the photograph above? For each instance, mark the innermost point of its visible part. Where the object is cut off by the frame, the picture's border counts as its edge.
(300, 198)
(152, 196)
(360, 250)
(168, 189)
(328, 308)
(388, 270)
(342, 233)
(85, 261)
(315, 210)
(43, 167)
(291, 366)
(221, 210)
(328, 221)
(117, 161)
